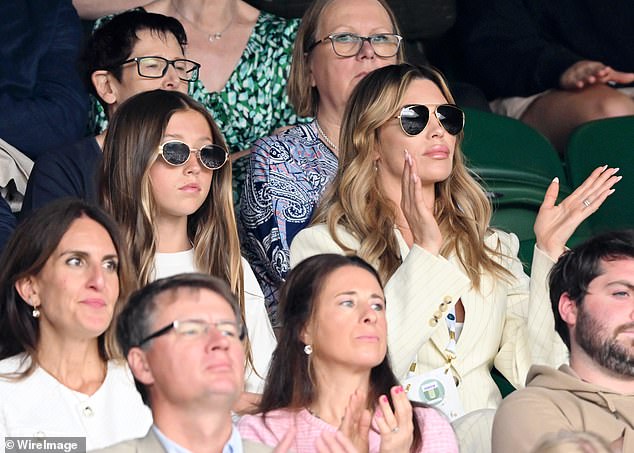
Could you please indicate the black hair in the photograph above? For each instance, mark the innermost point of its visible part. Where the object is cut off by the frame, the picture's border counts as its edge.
(112, 43)
(576, 268)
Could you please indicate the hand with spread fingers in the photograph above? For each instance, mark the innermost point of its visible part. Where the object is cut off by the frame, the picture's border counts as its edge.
(395, 426)
(355, 424)
(555, 224)
(420, 217)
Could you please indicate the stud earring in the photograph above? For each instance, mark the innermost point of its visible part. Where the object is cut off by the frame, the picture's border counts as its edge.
(308, 349)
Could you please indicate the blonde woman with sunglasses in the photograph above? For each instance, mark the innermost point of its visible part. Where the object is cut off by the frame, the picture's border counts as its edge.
(167, 181)
(403, 200)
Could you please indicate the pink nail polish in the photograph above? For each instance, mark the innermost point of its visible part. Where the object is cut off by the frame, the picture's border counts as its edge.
(383, 399)
(398, 390)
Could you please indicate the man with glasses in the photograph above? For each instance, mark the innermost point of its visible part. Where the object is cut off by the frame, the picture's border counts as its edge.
(184, 341)
(134, 52)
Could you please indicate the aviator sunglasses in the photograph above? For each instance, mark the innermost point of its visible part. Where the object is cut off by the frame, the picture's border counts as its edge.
(177, 153)
(414, 118)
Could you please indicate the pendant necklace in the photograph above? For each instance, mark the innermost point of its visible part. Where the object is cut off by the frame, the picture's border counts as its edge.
(213, 36)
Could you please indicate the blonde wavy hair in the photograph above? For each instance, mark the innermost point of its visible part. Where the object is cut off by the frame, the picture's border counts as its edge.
(355, 199)
(130, 149)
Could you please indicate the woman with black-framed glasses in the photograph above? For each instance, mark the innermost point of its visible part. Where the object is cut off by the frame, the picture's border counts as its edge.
(167, 181)
(338, 43)
(404, 201)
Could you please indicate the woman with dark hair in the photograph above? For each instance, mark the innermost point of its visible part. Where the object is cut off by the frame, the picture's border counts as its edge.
(404, 200)
(166, 179)
(64, 277)
(331, 371)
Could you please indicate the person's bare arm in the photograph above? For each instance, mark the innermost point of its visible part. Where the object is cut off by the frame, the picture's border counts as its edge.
(94, 9)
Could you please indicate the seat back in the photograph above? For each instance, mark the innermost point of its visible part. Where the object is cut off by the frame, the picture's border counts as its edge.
(515, 164)
(608, 141)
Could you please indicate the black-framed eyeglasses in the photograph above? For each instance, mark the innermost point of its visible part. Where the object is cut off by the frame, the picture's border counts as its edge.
(156, 67)
(414, 117)
(197, 328)
(177, 153)
(346, 45)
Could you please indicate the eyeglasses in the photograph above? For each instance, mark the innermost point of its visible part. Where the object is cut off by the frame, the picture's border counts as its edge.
(156, 67)
(177, 153)
(197, 328)
(350, 44)
(414, 118)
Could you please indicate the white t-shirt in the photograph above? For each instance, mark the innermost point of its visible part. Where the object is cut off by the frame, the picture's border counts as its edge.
(41, 406)
(261, 334)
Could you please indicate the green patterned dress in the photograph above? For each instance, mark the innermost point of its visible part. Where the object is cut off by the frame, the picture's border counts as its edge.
(253, 103)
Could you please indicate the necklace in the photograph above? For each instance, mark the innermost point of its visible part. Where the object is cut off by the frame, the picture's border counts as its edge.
(213, 36)
(329, 142)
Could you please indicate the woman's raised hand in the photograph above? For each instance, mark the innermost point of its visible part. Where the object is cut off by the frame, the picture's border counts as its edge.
(395, 426)
(554, 225)
(420, 218)
(355, 424)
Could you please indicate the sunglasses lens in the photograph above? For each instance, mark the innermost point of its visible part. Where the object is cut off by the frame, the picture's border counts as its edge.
(213, 156)
(414, 119)
(451, 118)
(175, 153)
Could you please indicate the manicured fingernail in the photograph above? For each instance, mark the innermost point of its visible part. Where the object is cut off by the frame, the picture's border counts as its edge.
(615, 170)
(399, 389)
(556, 179)
(605, 167)
(611, 191)
(383, 399)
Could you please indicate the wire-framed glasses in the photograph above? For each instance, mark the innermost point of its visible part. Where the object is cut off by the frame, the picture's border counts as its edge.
(197, 328)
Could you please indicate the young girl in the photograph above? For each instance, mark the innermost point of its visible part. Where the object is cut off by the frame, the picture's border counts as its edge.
(166, 180)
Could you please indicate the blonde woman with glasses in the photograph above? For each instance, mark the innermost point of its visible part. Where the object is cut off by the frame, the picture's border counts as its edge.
(403, 200)
(167, 181)
(338, 43)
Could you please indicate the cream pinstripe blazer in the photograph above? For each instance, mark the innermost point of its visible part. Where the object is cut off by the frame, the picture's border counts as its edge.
(507, 324)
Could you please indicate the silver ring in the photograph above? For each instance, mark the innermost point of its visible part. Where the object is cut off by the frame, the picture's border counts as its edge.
(395, 429)
(586, 203)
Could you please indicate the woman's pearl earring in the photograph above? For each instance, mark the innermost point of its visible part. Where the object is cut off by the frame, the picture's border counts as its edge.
(308, 349)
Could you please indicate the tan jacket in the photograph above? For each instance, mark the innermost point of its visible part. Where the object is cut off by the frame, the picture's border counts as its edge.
(507, 324)
(151, 444)
(556, 400)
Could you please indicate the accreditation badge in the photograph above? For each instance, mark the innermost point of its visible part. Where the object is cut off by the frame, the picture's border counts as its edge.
(436, 388)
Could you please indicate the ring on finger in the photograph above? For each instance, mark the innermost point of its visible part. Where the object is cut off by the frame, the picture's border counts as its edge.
(586, 203)
(395, 429)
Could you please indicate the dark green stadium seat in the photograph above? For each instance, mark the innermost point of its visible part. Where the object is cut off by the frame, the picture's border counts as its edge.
(609, 141)
(515, 164)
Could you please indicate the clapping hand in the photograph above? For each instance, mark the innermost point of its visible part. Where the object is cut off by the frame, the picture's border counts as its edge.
(395, 426)
(355, 424)
(554, 225)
